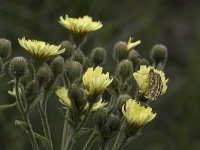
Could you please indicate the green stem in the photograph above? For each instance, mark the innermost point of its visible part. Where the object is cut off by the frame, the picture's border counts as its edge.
(112, 104)
(119, 138)
(126, 142)
(65, 132)
(91, 140)
(74, 131)
(104, 145)
(122, 143)
(45, 125)
(43, 114)
(25, 117)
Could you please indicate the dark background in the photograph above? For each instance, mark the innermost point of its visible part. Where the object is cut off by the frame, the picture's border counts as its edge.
(174, 23)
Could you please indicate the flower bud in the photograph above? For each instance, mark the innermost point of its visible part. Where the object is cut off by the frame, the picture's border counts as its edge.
(44, 74)
(31, 91)
(57, 65)
(120, 51)
(78, 56)
(5, 48)
(98, 56)
(159, 53)
(77, 97)
(68, 46)
(18, 66)
(26, 78)
(100, 117)
(113, 123)
(73, 70)
(125, 69)
(134, 57)
(121, 101)
(87, 64)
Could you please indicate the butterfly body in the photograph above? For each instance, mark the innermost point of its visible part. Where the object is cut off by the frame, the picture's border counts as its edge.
(155, 85)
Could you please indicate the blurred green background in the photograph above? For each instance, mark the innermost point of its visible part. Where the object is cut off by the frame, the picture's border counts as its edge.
(174, 23)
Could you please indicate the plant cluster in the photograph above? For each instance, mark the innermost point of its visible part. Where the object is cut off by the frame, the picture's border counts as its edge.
(117, 106)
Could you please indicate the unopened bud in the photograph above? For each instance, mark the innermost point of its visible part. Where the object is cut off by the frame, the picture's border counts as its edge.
(87, 64)
(26, 78)
(98, 56)
(44, 74)
(18, 66)
(78, 56)
(73, 70)
(5, 48)
(134, 57)
(140, 61)
(113, 123)
(57, 65)
(125, 69)
(68, 46)
(121, 101)
(77, 97)
(159, 53)
(31, 91)
(120, 51)
(100, 117)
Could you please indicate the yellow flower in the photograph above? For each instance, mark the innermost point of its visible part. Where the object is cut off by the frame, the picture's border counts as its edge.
(40, 49)
(80, 26)
(142, 79)
(132, 44)
(98, 105)
(137, 115)
(95, 81)
(64, 99)
(13, 92)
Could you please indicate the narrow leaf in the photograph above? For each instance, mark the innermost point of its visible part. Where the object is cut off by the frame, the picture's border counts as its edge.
(7, 106)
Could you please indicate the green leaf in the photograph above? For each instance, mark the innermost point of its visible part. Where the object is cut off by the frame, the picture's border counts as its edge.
(7, 106)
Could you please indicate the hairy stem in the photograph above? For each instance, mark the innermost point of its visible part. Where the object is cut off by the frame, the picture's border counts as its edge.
(25, 117)
(65, 132)
(91, 140)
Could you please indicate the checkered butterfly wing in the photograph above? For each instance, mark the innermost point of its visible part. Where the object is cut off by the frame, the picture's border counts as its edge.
(155, 85)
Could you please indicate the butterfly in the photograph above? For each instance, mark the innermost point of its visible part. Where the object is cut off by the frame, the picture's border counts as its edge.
(155, 85)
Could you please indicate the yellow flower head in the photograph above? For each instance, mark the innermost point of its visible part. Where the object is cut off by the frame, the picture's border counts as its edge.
(40, 49)
(137, 115)
(132, 44)
(95, 81)
(64, 99)
(80, 26)
(142, 79)
(98, 105)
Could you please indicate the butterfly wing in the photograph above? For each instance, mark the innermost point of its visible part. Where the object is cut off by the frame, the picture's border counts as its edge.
(155, 85)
